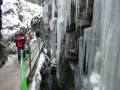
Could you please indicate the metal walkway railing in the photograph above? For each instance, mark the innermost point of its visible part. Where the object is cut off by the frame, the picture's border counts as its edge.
(23, 83)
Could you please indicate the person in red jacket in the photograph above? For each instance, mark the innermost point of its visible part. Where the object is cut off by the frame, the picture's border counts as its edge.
(20, 43)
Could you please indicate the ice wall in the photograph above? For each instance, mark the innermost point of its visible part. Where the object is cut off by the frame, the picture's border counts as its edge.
(106, 19)
(101, 49)
(58, 24)
(110, 73)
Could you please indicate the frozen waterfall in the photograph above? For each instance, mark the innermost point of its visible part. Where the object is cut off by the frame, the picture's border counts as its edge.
(101, 49)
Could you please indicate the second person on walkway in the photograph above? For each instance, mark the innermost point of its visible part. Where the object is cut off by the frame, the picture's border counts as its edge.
(37, 34)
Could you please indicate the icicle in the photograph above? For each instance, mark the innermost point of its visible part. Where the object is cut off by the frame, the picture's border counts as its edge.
(64, 12)
(53, 8)
(45, 11)
(53, 44)
(77, 4)
(79, 70)
(86, 7)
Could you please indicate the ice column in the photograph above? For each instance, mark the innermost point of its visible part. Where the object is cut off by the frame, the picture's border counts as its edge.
(110, 71)
(53, 24)
(45, 13)
(64, 11)
(86, 7)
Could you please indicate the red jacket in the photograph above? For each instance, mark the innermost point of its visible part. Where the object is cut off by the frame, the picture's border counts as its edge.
(18, 41)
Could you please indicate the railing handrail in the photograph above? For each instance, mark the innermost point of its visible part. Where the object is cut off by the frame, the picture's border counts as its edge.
(23, 83)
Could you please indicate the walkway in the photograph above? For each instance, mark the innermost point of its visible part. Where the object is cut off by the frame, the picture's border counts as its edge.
(10, 72)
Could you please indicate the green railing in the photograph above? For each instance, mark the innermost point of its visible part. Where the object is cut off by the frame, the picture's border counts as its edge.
(23, 83)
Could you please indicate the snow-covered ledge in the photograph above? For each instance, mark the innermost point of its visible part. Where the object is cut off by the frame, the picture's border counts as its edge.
(37, 76)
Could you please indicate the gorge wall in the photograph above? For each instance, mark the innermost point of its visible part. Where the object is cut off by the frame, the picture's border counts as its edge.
(69, 47)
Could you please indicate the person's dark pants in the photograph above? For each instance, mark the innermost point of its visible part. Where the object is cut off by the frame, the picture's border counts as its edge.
(19, 50)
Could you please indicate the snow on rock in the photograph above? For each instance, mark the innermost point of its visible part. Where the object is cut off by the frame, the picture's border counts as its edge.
(11, 60)
(37, 76)
(19, 13)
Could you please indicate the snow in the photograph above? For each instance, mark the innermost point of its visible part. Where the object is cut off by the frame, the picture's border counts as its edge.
(45, 50)
(37, 76)
(95, 80)
(26, 9)
(11, 59)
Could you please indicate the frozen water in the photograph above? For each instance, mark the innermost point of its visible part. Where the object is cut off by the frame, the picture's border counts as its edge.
(103, 47)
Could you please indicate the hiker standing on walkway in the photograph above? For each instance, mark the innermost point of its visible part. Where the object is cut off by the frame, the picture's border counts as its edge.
(28, 38)
(20, 43)
(37, 34)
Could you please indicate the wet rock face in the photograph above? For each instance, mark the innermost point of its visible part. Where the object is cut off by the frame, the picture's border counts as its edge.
(68, 61)
(46, 82)
(7, 46)
(1, 2)
(66, 76)
(2, 47)
(3, 55)
(86, 17)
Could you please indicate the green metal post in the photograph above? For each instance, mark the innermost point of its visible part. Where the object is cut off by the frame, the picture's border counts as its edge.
(39, 45)
(29, 57)
(23, 84)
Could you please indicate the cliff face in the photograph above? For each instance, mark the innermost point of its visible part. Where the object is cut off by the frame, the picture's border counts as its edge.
(69, 51)
(1, 2)
(2, 47)
(69, 47)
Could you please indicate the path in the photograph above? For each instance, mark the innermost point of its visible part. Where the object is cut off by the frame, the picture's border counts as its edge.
(10, 74)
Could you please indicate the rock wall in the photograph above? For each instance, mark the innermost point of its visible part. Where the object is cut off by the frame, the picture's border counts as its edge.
(2, 47)
(7, 45)
(1, 2)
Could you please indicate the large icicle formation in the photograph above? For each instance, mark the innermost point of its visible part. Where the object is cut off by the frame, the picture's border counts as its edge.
(110, 69)
(101, 49)
(59, 23)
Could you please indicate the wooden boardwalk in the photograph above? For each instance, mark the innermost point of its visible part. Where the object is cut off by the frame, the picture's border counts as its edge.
(35, 57)
(10, 72)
